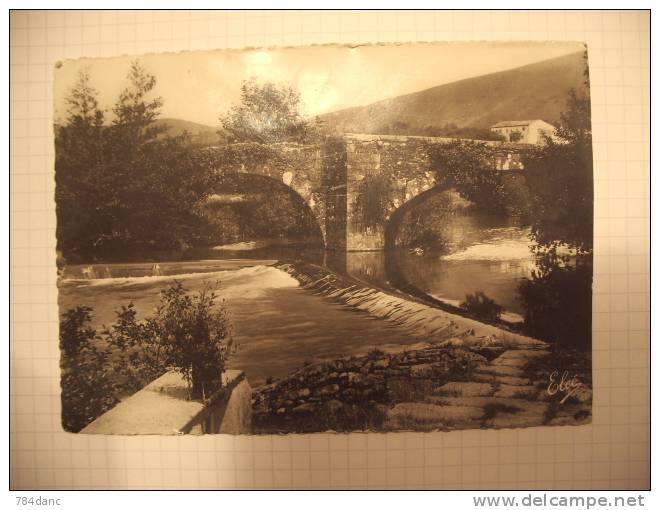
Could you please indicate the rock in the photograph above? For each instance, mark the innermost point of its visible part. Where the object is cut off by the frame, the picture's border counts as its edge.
(354, 377)
(465, 389)
(305, 392)
(513, 391)
(333, 406)
(512, 413)
(382, 363)
(518, 357)
(304, 409)
(452, 342)
(502, 370)
(512, 421)
(488, 352)
(328, 389)
(501, 379)
(576, 411)
(423, 370)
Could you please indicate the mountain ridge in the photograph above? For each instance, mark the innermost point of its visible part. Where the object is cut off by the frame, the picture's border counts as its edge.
(533, 91)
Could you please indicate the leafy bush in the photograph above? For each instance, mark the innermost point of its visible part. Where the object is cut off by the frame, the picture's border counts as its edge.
(557, 300)
(190, 334)
(88, 388)
(193, 337)
(482, 307)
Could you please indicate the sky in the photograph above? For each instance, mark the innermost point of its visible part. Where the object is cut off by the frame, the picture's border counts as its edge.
(201, 86)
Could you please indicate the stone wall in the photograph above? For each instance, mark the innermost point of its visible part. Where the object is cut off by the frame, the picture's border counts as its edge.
(396, 169)
(163, 407)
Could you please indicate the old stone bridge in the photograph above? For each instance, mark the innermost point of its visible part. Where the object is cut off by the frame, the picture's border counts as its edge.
(357, 185)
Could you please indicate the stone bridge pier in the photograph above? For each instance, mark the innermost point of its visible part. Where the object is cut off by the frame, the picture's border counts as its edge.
(377, 177)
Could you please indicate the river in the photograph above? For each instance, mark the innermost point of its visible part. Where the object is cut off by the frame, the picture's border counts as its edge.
(485, 253)
(279, 327)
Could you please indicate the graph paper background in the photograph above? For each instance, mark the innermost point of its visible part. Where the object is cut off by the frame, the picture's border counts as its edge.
(612, 452)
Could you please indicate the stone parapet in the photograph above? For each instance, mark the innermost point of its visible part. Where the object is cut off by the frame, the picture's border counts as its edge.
(163, 407)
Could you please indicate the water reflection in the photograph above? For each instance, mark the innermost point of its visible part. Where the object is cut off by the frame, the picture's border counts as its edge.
(485, 253)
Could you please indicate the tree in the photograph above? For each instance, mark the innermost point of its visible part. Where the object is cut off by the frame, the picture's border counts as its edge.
(464, 165)
(125, 189)
(557, 298)
(560, 176)
(135, 112)
(79, 164)
(267, 113)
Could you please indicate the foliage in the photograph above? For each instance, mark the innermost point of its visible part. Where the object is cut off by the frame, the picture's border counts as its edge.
(464, 166)
(560, 175)
(187, 333)
(482, 307)
(123, 188)
(75, 333)
(516, 195)
(88, 389)
(372, 200)
(424, 226)
(267, 113)
(136, 351)
(449, 130)
(193, 336)
(274, 211)
(190, 334)
(557, 300)
(135, 112)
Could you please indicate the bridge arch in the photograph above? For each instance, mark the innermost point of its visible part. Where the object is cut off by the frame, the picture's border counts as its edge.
(252, 197)
(353, 183)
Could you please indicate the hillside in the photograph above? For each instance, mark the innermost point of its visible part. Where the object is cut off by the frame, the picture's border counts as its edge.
(201, 134)
(535, 91)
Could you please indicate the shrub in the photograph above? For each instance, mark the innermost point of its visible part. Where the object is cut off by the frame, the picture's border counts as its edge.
(194, 337)
(482, 307)
(190, 334)
(557, 300)
(88, 389)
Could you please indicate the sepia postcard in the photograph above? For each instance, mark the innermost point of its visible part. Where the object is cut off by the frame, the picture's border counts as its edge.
(375, 238)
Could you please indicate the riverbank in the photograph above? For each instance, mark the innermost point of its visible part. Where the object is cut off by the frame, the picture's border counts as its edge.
(428, 388)
(462, 374)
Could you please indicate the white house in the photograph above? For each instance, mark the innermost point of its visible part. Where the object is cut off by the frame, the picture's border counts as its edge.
(524, 131)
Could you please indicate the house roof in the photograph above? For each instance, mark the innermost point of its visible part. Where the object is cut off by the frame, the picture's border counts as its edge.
(508, 123)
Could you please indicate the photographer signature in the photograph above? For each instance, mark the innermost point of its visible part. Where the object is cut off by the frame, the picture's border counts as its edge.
(564, 384)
